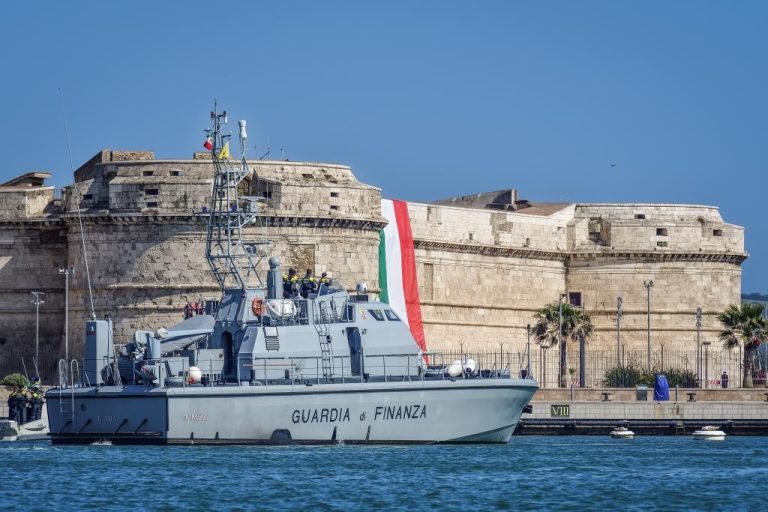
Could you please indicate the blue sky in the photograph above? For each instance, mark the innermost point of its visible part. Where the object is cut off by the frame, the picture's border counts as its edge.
(423, 99)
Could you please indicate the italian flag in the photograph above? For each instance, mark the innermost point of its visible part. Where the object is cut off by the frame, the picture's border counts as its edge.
(397, 268)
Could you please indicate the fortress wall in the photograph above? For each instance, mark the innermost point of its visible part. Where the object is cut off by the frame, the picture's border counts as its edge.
(679, 287)
(505, 229)
(479, 301)
(662, 228)
(24, 203)
(482, 273)
(30, 255)
(184, 186)
(144, 270)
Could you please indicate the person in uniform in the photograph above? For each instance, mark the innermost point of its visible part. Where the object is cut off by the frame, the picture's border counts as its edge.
(36, 402)
(308, 284)
(12, 407)
(289, 284)
(22, 404)
(324, 279)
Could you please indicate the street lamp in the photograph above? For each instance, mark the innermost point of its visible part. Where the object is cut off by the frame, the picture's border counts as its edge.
(648, 285)
(37, 301)
(619, 312)
(528, 370)
(698, 341)
(67, 272)
(706, 363)
(560, 335)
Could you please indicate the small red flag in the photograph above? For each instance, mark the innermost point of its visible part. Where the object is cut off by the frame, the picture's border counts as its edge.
(208, 144)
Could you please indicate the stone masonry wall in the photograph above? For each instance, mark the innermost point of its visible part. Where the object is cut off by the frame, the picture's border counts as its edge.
(679, 288)
(24, 203)
(482, 273)
(30, 255)
(143, 271)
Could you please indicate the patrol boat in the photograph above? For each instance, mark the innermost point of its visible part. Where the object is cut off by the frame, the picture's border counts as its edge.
(257, 367)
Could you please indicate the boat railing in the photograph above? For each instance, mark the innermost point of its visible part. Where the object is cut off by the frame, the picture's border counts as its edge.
(409, 367)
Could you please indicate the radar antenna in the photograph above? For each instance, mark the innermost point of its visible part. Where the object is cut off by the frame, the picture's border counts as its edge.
(233, 258)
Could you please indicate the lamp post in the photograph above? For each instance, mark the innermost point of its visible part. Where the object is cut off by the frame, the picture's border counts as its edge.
(67, 272)
(648, 285)
(698, 343)
(706, 363)
(37, 301)
(528, 370)
(619, 312)
(560, 337)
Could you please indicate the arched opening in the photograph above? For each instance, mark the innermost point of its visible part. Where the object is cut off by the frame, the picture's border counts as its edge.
(703, 224)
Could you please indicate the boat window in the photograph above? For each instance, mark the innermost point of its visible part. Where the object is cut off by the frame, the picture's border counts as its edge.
(377, 314)
(391, 315)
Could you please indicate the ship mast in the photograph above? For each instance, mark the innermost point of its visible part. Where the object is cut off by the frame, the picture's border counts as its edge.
(233, 258)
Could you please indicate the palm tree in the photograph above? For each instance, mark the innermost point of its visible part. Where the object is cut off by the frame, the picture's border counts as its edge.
(745, 325)
(575, 324)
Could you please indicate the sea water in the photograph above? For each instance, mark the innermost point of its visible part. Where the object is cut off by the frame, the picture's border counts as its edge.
(531, 472)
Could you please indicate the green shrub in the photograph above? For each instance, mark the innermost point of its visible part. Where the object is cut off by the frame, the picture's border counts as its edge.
(632, 375)
(682, 378)
(14, 379)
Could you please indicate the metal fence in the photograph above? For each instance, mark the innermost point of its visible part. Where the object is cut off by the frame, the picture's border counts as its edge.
(705, 369)
(603, 368)
(22, 360)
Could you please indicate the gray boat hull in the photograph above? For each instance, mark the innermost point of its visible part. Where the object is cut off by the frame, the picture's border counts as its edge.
(460, 411)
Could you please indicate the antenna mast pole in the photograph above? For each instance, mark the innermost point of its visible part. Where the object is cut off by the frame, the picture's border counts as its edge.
(232, 258)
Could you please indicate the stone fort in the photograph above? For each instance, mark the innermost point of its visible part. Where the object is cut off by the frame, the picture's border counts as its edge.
(485, 262)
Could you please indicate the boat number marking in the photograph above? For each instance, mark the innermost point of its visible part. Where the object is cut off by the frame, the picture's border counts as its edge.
(196, 416)
(106, 419)
(342, 414)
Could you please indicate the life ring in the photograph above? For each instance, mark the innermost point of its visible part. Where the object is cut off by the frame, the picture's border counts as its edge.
(257, 306)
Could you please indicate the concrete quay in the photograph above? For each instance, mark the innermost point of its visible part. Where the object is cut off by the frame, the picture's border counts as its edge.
(598, 411)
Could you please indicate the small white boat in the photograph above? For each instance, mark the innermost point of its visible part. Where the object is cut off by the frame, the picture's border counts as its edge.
(622, 433)
(709, 433)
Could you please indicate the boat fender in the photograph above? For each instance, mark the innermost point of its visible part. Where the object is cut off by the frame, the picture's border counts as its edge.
(257, 306)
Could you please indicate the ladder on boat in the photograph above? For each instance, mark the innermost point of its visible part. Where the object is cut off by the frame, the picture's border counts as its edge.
(67, 404)
(326, 355)
(322, 320)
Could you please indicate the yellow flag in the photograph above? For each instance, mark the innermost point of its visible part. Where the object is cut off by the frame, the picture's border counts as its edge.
(224, 153)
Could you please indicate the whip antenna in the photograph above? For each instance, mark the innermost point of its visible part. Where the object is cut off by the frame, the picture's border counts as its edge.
(78, 198)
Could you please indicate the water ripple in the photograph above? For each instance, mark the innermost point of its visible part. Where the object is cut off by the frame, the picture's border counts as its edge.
(552, 473)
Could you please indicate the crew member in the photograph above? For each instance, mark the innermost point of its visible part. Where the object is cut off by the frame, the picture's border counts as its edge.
(12, 401)
(22, 403)
(324, 279)
(308, 284)
(36, 402)
(289, 284)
